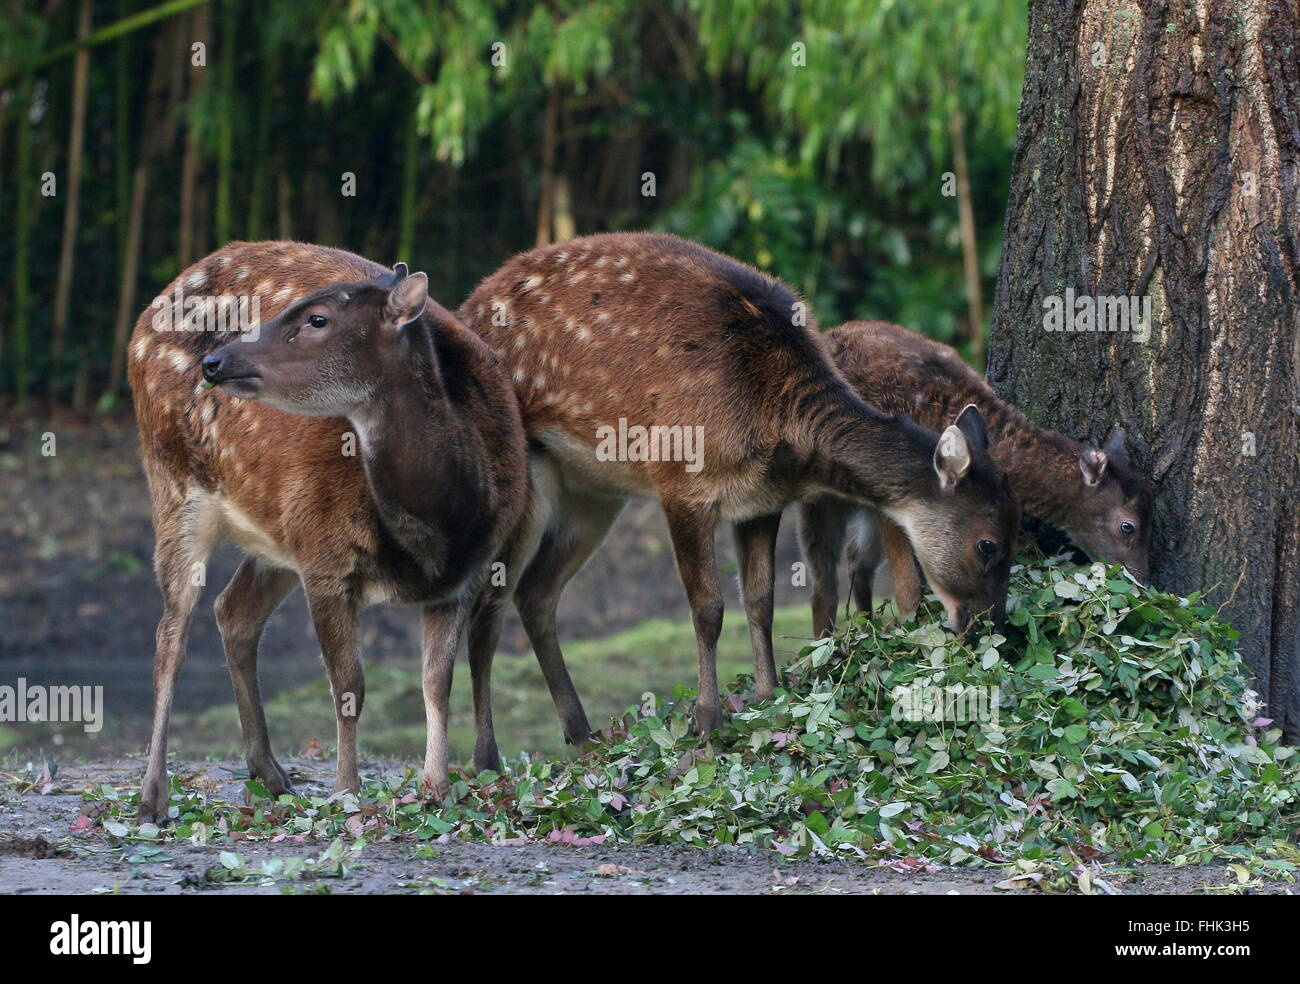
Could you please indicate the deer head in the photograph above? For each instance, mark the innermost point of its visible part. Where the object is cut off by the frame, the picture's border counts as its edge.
(963, 527)
(1114, 502)
(325, 355)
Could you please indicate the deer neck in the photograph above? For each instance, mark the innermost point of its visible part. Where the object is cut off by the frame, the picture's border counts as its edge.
(415, 463)
(1041, 465)
(876, 458)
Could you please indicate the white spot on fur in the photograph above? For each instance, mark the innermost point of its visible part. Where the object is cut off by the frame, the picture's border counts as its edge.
(196, 280)
(140, 347)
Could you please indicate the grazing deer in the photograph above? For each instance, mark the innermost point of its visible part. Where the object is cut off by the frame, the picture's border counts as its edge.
(375, 453)
(648, 365)
(1093, 495)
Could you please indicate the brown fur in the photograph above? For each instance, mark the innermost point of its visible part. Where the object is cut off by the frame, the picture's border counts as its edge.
(663, 332)
(281, 486)
(904, 373)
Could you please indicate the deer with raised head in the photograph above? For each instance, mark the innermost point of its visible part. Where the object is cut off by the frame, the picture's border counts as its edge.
(646, 365)
(358, 439)
(1093, 495)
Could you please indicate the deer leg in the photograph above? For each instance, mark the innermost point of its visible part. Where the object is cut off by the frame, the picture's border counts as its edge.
(902, 567)
(692, 534)
(569, 541)
(334, 613)
(185, 528)
(823, 524)
(864, 557)
(484, 634)
(242, 609)
(441, 627)
(756, 551)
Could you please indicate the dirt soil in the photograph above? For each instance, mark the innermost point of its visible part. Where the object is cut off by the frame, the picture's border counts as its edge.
(39, 854)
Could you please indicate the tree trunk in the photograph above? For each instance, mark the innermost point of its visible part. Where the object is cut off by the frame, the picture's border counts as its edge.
(969, 245)
(546, 203)
(68, 248)
(1156, 158)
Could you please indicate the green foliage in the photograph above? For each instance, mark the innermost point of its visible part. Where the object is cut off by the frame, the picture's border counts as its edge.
(827, 173)
(1116, 726)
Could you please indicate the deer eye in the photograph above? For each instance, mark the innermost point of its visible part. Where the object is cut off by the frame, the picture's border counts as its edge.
(986, 548)
(318, 321)
(1127, 528)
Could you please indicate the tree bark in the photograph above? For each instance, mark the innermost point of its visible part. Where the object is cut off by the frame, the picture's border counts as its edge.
(1156, 157)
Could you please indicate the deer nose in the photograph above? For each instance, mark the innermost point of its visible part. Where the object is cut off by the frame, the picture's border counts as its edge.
(211, 367)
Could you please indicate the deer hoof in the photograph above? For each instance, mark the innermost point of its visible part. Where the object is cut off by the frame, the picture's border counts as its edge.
(153, 801)
(435, 791)
(272, 775)
(707, 719)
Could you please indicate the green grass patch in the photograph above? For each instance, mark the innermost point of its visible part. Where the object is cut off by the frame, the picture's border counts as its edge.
(610, 673)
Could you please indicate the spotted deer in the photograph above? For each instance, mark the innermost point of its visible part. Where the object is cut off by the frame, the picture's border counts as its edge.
(623, 334)
(358, 439)
(1094, 495)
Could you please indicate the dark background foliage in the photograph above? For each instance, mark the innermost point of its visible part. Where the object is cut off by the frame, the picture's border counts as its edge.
(836, 144)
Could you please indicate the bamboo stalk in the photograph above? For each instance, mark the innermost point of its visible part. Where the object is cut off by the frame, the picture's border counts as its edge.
(225, 126)
(108, 33)
(68, 249)
(22, 243)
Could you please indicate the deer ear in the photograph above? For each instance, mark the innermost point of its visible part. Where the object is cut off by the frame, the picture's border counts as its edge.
(1093, 465)
(971, 423)
(406, 300)
(400, 271)
(951, 457)
(1114, 446)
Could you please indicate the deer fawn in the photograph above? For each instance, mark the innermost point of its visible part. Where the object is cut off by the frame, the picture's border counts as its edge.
(630, 350)
(1093, 495)
(364, 358)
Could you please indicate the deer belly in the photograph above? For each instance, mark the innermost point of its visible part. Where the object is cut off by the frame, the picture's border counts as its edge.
(603, 473)
(254, 540)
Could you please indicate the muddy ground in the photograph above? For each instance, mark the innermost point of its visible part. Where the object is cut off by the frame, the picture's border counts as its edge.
(78, 605)
(39, 854)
